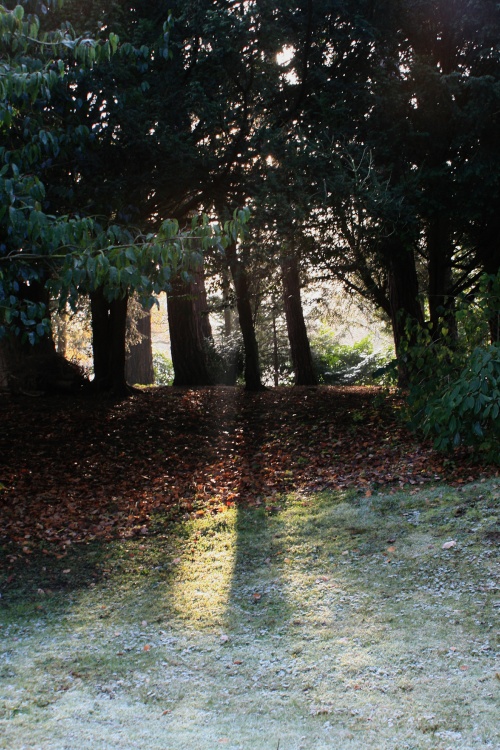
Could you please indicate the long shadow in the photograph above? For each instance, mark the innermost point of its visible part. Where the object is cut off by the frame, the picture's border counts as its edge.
(208, 434)
(95, 469)
(258, 610)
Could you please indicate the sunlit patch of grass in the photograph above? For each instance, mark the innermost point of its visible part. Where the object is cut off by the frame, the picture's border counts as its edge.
(204, 570)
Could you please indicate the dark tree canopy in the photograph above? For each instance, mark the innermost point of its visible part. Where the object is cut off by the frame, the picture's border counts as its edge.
(361, 136)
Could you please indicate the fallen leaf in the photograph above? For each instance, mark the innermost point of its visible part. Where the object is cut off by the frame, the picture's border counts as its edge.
(147, 647)
(449, 545)
(65, 508)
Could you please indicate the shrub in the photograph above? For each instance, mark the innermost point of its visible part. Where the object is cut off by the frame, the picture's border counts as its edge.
(454, 392)
(463, 407)
(344, 364)
(163, 369)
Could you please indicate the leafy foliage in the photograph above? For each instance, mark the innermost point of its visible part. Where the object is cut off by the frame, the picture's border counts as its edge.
(465, 406)
(68, 255)
(454, 394)
(163, 369)
(344, 364)
(32, 65)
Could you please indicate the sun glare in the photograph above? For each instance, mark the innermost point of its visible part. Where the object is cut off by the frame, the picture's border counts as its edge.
(285, 56)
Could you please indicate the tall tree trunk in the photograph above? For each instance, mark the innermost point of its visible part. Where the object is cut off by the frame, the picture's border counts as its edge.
(488, 254)
(36, 367)
(238, 271)
(201, 303)
(226, 295)
(302, 361)
(276, 361)
(186, 336)
(109, 323)
(403, 300)
(139, 362)
(441, 300)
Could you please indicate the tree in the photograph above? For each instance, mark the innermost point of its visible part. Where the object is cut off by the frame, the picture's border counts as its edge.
(353, 131)
(302, 361)
(34, 241)
(252, 372)
(71, 255)
(139, 360)
(395, 213)
(186, 336)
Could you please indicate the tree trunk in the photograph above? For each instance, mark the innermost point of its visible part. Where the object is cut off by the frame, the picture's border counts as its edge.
(403, 300)
(252, 369)
(201, 303)
(139, 362)
(118, 329)
(186, 336)
(302, 361)
(441, 300)
(99, 310)
(276, 361)
(61, 333)
(226, 296)
(109, 323)
(488, 254)
(36, 367)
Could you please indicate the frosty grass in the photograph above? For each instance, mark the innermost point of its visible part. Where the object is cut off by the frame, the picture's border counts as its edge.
(333, 621)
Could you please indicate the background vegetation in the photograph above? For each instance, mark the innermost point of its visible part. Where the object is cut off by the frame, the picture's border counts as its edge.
(235, 158)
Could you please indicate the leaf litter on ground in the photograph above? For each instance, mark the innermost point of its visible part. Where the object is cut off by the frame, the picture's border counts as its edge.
(75, 470)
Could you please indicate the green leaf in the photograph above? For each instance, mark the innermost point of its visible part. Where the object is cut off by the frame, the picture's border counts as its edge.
(113, 41)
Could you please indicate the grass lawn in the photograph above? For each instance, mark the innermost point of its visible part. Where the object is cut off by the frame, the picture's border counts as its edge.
(331, 620)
